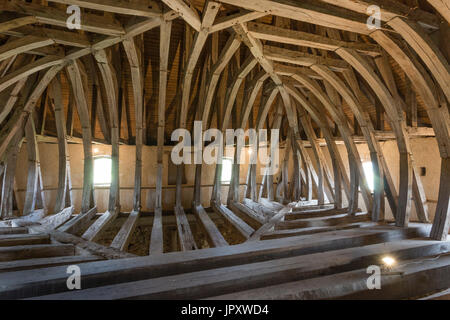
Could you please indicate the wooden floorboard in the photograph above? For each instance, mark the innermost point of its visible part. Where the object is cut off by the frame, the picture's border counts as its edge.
(353, 284)
(237, 222)
(17, 230)
(23, 239)
(214, 235)
(202, 284)
(50, 280)
(36, 251)
(27, 264)
(320, 222)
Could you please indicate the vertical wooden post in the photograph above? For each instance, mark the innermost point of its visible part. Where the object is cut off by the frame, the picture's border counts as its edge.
(79, 94)
(64, 193)
(111, 91)
(7, 197)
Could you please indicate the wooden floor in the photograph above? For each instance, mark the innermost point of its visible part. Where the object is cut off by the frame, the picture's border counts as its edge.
(308, 252)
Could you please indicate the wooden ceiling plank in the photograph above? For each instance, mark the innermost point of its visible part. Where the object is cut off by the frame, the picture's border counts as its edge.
(16, 23)
(303, 59)
(57, 17)
(22, 45)
(109, 77)
(308, 11)
(21, 112)
(231, 20)
(390, 9)
(441, 6)
(305, 39)
(233, 89)
(227, 53)
(256, 49)
(134, 7)
(186, 11)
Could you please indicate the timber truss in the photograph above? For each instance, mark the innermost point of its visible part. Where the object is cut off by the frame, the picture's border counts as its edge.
(303, 61)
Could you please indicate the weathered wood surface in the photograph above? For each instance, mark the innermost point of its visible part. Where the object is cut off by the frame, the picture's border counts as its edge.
(213, 233)
(306, 231)
(185, 237)
(51, 280)
(79, 222)
(94, 232)
(156, 240)
(37, 263)
(241, 226)
(255, 215)
(320, 222)
(64, 193)
(314, 213)
(10, 240)
(11, 230)
(54, 221)
(207, 283)
(92, 247)
(35, 251)
(123, 237)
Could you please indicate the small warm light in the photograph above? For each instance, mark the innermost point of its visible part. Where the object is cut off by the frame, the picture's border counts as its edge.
(250, 151)
(95, 150)
(388, 261)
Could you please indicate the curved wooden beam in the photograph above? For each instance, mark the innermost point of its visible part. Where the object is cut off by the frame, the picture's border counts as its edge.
(210, 13)
(79, 94)
(22, 45)
(233, 89)
(367, 129)
(319, 119)
(21, 112)
(111, 90)
(424, 86)
(398, 125)
(34, 197)
(250, 97)
(441, 6)
(64, 194)
(28, 70)
(342, 124)
(228, 51)
(133, 51)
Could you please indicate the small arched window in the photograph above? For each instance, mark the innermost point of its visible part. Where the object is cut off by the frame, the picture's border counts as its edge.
(227, 168)
(368, 172)
(102, 171)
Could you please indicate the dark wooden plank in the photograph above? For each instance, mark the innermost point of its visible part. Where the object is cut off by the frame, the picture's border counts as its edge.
(44, 262)
(207, 283)
(17, 230)
(36, 251)
(156, 240)
(79, 222)
(51, 280)
(10, 240)
(319, 222)
(100, 225)
(237, 222)
(122, 239)
(185, 236)
(211, 229)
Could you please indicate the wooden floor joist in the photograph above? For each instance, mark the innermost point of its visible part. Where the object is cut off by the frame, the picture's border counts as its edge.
(237, 222)
(212, 231)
